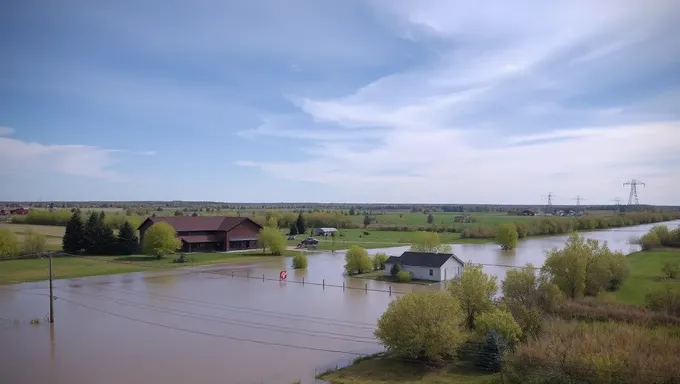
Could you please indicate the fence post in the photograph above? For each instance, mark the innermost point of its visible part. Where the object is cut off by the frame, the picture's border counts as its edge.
(232, 273)
(263, 277)
(343, 286)
(366, 288)
(390, 290)
(303, 280)
(248, 274)
(323, 282)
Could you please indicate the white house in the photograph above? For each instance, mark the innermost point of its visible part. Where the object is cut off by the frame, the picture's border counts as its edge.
(427, 266)
(325, 231)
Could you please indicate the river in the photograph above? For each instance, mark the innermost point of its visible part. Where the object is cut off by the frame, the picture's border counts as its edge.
(202, 325)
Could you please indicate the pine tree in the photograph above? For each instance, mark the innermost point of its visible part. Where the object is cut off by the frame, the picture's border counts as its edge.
(490, 354)
(72, 241)
(90, 233)
(127, 241)
(300, 224)
(105, 240)
(293, 230)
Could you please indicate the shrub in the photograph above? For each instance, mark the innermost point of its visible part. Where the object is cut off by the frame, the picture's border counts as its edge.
(507, 235)
(394, 271)
(423, 325)
(671, 269)
(300, 261)
(379, 261)
(591, 309)
(650, 241)
(596, 353)
(9, 243)
(490, 354)
(499, 321)
(666, 300)
(404, 276)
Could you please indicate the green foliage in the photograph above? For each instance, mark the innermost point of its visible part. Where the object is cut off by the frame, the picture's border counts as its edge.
(584, 267)
(34, 243)
(300, 261)
(301, 224)
(592, 309)
(357, 261)
(430, 218)
(662, 233)
(650, 241)
(127, 241)
(428, 242)
(507, 236)
(404, 276)
(72, 242)
(490, 355)
(98, 235)
(395, 270)
(522, 286)
(475, 290)
(160, 240)
(379, 260)
(271, 239)
(422, 325)
(9, 243)
(671, 269)
(272, 222)
(500, 321)
(293, 230)
(665, 299)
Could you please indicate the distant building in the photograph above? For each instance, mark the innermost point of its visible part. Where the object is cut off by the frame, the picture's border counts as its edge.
(325, 231)
(209, 233)
(527, 212)
(427, 266)
(18, 211)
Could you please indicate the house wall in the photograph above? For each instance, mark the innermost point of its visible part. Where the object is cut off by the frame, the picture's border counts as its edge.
(422, 273)
(388, 269)
(142, 229)
(245, 229)
(451, 270)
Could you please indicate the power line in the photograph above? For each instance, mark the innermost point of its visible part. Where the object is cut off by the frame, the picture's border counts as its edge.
(633, 196)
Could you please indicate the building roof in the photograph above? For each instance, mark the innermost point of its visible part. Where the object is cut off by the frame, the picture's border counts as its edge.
(192, 239)
(200, 223)
(327, 229)
(425, 259)
(392, 260)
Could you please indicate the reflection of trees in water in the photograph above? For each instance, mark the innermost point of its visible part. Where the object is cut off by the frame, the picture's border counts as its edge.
(298, 274)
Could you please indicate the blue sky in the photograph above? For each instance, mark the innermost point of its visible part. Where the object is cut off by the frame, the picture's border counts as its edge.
(339, 101)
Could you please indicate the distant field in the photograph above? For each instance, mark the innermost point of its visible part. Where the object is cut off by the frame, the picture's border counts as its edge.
(54, 234)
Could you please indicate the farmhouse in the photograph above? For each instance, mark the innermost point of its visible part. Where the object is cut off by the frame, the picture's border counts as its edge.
(427, 266)
(209, 233)
(325, 231)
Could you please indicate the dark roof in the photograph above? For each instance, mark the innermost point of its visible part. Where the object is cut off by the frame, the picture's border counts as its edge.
(392, 260)
(192, 239)
(200, 223)
(426, 259)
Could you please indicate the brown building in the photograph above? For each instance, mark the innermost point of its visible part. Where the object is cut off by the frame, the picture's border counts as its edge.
(209, 233)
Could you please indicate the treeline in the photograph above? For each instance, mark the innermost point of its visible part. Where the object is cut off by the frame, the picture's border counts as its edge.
(96, 237)
(60, 217)
(564, 225)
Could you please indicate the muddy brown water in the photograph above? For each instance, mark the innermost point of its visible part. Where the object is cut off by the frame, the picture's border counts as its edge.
(201, 325)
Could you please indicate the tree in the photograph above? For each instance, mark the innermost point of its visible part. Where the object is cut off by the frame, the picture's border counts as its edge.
(428, 242)
(333, 237)
(300, 261)
(271, 239)
(34, 243)
(351, 211)
(650, 241)
(160, 240)
(293, 230)
(475, 290)
(507, 235)
(72, 242)
(357, 261)
(367, 221)
(671, 269)
(127, 242)
(394, 271)
(500, 321)
(9, 243)
(301, 224)
(90, 233)
(430, 219)
(422, 325)
(272, 222)
(178, 213)
(379, 260)
(194, 214)
(523, 287)
(105, 243)
(490, 355)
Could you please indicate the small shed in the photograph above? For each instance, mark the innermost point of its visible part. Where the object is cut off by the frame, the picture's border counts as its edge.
(426, 265)
(325, 231)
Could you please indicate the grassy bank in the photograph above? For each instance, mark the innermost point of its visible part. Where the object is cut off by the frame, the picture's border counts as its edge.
(380, 276)
(646, 274)
(19, 271)
(384, 370)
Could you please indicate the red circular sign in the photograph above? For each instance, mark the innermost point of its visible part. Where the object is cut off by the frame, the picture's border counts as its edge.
(283, 275)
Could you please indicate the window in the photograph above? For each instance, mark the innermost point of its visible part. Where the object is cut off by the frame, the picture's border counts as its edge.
(431, 273)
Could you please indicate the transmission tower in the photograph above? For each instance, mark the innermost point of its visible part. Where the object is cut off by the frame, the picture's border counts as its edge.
(578, 200)
(633, 197)
(548, 208)
(617, 201)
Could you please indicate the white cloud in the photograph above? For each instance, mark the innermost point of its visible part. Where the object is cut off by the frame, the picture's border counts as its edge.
(17, 157)
(6, 131)
(526, 98)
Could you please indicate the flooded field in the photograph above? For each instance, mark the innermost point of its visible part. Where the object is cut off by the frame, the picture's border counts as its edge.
(205, 326)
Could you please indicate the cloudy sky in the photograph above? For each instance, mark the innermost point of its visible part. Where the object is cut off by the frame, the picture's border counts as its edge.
(340, 101)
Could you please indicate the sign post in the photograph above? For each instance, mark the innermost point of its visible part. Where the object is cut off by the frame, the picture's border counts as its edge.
(283, 275)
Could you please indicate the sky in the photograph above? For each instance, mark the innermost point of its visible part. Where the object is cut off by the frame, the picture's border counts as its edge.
(343, 101)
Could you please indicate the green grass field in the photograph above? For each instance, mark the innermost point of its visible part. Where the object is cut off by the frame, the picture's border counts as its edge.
(53, 234)
(17, 271)
(646, 274)
(386, 371)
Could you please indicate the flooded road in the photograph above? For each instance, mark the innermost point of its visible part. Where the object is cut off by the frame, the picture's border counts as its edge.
(201, 325)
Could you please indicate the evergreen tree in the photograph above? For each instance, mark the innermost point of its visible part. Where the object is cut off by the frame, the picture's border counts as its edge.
(300, 224)
(430, 219)
(293, 230)
(490, 354)
(90, 233)
(105, 240)
(72, 242)
(351, 211)
(127, 241)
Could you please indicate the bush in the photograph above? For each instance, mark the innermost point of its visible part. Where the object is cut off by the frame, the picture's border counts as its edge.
(499, 321)
(300, 261)
(671, 269)
(379, 261)
(666, 300)
(357, 261)
(404, 276)
(591, 309)
(9, 243)
(507, 235)
(650, 241)
(603, 353)
(422, 325)
(394, 271)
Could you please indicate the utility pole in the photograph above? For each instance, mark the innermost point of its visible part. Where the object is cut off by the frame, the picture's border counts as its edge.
(633, 197)
(578, 200)
(617, 201)
(51, 295)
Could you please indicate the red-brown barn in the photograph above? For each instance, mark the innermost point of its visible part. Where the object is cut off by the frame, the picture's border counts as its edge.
(209, 233)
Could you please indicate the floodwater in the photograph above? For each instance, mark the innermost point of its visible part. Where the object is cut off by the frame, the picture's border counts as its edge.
(201, 325)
